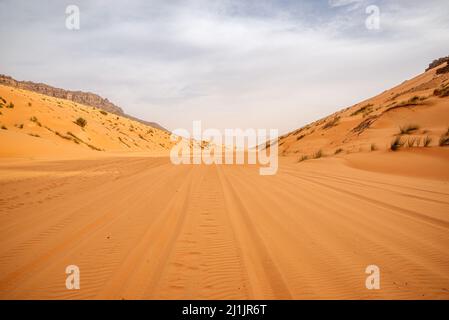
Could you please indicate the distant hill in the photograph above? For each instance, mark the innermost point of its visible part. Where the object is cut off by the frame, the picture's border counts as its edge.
(85, 98)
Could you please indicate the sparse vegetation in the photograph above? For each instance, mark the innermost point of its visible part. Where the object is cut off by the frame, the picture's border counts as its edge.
(29, 104)
(34, 119)
(407, 129)
(121, 140)
(141, 137)
(34, 135)
(303, 158)
(81, 122)
(363, 109)
(442, 92)
(411, 142)
(414, 101)
(78, 140)
(365, 124)
(373, 147)
(339, 150)
(63, 136)
(300, 137)
(332, 123)
(444, 139)
(103, 112)
(318, 154)
(396, 144)
(426, 142)
(10, 105)
(4, 128)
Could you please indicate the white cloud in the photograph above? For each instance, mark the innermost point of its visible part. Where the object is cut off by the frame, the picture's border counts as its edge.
(225, 65)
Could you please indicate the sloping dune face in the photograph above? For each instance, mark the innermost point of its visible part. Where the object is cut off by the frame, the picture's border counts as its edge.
(33, 124)
(417, 111)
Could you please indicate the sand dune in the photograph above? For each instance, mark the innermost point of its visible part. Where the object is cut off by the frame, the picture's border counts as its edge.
(375, 122)
(140, 227)
(40, 126)
(106, 198)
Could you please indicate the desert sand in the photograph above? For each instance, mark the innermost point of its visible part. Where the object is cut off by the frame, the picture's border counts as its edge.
(106, 197)
(140, 227)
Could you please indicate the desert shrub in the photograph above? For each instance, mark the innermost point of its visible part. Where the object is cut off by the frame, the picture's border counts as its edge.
(103, 112)
(10, 105)
(81, 122)
(4, 128)
(303, 158)
(373, 147)
(407, 129)
(63, 136)
(300, 137)
(34, 119)
(363, 109)
(339, 150)
(411, 142)
(414, 101)
(332, 123)
(441, 92)
(78, 141)
(444, 139)
(396, 144)
(29, 104)
(318, 154)
(426, 142)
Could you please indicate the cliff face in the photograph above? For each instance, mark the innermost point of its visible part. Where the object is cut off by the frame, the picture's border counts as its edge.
(86, 98)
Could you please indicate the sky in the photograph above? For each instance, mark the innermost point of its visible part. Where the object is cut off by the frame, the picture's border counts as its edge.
(231, 64)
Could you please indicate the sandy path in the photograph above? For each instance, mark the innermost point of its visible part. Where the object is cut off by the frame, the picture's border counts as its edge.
(143, 228)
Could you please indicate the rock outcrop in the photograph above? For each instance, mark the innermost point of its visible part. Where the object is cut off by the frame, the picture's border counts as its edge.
(437, 62)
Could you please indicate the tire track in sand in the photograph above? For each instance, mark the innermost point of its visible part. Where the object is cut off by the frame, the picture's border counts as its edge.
(265, 277)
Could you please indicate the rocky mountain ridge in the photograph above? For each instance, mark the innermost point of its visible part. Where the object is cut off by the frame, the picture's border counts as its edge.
(85, 98)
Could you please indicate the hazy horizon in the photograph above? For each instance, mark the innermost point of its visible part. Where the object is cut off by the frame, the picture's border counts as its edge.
(259, 64)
